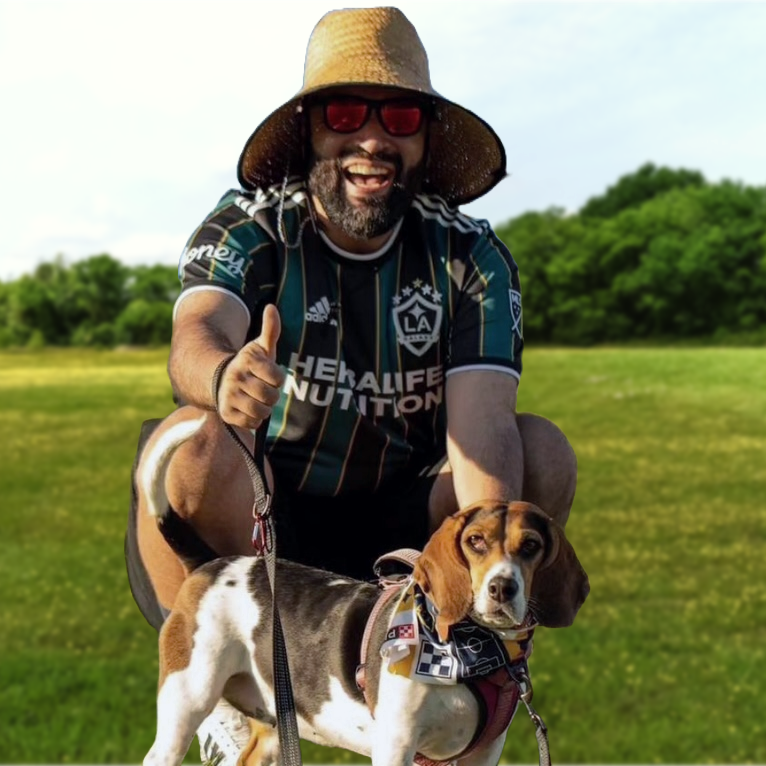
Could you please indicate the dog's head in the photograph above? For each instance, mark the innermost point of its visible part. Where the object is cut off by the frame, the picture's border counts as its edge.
(500, 564)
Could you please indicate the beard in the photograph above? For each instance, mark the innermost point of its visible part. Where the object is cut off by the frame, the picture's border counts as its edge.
(375, 216)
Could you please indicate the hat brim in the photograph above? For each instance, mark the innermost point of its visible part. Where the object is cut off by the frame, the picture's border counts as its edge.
(465, 156)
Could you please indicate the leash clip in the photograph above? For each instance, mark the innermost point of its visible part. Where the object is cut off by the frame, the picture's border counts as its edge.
(263, 533)
(526, 693)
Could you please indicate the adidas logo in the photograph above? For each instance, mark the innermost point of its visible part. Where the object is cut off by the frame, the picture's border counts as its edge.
(323, 312)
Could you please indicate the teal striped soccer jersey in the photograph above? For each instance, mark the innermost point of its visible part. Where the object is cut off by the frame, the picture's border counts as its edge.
(367, 340)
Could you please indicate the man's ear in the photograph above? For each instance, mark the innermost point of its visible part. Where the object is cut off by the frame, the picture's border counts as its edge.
(443, 573)
(560, 585)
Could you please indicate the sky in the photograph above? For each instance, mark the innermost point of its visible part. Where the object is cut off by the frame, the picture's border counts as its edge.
(123, 120)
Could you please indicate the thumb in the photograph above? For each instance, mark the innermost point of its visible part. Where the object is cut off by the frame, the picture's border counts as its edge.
(271, 327)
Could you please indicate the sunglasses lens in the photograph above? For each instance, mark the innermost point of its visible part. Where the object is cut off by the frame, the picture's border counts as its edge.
(401, 119)
(346, 116)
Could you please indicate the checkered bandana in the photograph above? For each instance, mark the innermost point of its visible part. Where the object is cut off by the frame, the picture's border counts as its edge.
(412, 647)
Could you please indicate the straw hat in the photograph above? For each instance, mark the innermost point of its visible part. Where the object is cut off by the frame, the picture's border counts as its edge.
(377, 46)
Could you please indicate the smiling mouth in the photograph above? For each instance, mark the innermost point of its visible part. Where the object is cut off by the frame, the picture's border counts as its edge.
(368, 178)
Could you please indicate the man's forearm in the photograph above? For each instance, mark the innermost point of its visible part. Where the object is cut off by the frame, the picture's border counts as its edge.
(489, 463)
(209, 327)
(194, 355)
(484, 446)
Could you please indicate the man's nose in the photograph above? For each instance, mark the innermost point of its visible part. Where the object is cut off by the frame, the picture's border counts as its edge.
(372, 137)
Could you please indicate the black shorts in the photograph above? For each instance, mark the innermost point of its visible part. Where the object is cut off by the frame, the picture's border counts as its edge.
(346, 534)
(340, 534)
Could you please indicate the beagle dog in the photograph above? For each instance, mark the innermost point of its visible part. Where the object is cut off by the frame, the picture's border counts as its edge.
(500, 564)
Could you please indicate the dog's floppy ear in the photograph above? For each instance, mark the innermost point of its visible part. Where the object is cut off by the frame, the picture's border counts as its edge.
(443, 574)
(560, 585)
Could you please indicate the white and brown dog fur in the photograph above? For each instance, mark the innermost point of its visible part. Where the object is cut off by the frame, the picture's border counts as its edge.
(497, 563)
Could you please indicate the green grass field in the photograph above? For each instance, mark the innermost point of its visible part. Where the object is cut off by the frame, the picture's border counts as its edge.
(665, 663)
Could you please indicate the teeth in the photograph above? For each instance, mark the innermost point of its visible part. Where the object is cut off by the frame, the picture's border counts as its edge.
(367, 170)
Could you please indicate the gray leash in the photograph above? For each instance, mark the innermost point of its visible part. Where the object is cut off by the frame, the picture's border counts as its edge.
(521, 676)
(264, 542)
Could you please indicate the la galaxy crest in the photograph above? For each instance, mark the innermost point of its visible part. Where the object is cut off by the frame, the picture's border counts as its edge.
(417, 317)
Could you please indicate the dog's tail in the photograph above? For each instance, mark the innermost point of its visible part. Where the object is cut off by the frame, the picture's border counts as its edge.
(178, 533)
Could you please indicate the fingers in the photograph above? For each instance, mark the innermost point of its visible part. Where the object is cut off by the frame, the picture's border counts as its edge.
(271, 327)
(249, 389)
(253, 360)
(252, 382)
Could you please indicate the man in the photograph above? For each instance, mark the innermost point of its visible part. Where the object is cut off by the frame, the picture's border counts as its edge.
(346, 299)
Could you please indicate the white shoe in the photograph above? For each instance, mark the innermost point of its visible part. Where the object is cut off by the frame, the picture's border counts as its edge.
(223, 735)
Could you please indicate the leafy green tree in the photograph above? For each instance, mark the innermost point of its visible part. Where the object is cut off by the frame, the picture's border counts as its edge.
(95, 302)
(634, 189)
(99, 289)
(702, 268)
(29, 310)
(145, 323)
(5, 333)
(154, 283)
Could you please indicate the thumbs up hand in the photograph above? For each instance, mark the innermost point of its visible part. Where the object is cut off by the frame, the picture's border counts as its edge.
(252, 381)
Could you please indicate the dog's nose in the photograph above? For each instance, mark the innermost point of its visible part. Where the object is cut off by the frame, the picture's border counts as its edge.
(501, 589)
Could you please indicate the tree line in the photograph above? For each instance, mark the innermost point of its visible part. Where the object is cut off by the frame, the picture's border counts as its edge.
(95, 302)
(661, 255)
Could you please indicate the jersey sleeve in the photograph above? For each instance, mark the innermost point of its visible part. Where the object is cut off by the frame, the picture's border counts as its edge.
(232, 253)
(487, 331)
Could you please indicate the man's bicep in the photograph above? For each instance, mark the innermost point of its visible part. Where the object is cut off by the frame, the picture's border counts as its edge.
(213, 310)
(476, 398)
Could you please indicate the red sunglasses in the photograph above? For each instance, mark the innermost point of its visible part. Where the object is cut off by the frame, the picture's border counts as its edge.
(400, 117)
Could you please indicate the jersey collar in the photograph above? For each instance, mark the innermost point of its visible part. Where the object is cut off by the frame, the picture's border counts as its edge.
(363, 257)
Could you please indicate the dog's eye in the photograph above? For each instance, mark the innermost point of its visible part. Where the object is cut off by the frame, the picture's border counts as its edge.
(477, 543)
(530, 547)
